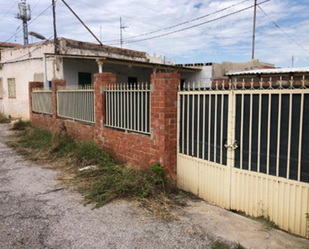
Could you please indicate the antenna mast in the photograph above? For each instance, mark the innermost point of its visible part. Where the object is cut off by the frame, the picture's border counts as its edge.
(24, 15)
(122, 28)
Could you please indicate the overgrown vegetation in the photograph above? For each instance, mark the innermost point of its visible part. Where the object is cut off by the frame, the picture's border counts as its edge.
(20, 125)
(266, 222)
(109, 180)
(222, 245)
(4, 119)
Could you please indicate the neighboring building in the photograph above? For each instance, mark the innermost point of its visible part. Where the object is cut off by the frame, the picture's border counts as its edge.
(285, 75)
(77, 62)
(5, 45)
(217, 71)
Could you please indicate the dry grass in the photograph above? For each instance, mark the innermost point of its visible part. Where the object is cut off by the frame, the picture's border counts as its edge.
(4, 119)
(109, 181)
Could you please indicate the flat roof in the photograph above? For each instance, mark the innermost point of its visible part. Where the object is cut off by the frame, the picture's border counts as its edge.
(270, 71)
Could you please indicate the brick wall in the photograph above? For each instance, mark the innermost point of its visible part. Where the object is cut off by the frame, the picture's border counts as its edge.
(55, 124)
(137, 149)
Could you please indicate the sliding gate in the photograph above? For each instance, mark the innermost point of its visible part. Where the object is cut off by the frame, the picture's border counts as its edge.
(245, 146)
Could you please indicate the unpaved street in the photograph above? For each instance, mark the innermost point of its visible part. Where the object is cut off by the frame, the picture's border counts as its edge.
(36, 211)
(34, 215)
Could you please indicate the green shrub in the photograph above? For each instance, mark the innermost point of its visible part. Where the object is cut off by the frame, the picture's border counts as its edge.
(4, 119)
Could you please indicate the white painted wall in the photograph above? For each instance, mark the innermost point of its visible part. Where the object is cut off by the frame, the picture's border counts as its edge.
(203, 76)
(25, 64)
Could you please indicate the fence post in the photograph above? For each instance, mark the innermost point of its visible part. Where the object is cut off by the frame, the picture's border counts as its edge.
(31, 86)
(55, 85)
(164, 118)
(101, 80)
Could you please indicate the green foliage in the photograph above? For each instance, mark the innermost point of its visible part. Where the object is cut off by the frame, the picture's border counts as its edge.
(33, 139)
(267, 223)
(118, 181)
(4, 119)
(110, 180)
(20, 125)
(222, 245)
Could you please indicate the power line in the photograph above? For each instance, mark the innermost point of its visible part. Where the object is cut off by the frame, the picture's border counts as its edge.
(35, 5)
(30, 22)
(8, 11)
(130, 17)
(277, 26)
(186, 22)
(197, 25)
(161, 13)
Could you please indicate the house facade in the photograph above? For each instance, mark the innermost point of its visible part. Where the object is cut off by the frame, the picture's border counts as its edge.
(77, 62)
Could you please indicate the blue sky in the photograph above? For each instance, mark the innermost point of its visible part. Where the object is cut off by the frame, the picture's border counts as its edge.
(228, 38)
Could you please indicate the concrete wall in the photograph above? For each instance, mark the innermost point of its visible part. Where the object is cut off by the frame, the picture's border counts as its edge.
(203, 76)
(71, 67)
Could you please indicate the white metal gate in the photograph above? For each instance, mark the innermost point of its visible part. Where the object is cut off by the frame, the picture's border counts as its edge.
(245, 146)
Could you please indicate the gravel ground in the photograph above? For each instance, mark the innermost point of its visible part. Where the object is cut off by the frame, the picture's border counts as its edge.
(37, 212)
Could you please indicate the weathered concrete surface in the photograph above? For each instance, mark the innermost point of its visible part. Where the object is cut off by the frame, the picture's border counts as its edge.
(221, 223)
(37, 212)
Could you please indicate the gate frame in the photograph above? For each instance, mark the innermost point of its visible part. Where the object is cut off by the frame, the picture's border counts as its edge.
(280, 186)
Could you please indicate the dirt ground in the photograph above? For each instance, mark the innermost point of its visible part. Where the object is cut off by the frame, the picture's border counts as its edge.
(36, 211)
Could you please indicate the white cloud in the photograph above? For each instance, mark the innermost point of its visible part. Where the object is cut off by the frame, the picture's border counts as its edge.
(225, 39)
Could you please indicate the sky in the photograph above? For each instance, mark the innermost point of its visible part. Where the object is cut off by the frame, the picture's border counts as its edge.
(221, 31)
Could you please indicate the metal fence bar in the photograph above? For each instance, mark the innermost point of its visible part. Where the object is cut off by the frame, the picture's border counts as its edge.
(279, 134)
(76, 104)
(250, 131)
(42, 101)
(128, 109)
(268, 135)
(300, 136)
(259, 134)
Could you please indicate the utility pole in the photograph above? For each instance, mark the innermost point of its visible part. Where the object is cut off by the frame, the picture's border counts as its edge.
(254, 23)
(25, 17)
(57, 50)
(292, 61)
(121, 28)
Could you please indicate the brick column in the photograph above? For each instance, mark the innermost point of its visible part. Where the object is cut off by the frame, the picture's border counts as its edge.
(101, 80)
(164, 118)
(31, 86)
(56, 84)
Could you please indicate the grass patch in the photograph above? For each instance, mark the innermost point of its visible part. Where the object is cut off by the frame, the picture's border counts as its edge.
(4, 119)
(20, 125)
(266, 222)
(222, 245)
(110, 180)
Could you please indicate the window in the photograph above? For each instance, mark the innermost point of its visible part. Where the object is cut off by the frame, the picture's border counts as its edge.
(1, 89)
(11, 88)
(84, 79)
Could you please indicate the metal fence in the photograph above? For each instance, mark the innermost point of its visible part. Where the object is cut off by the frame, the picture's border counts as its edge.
(128, 107)
(42, 101)
(243, 145)
(76, 103)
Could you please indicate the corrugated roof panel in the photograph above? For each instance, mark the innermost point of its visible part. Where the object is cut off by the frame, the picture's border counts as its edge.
(270, 71)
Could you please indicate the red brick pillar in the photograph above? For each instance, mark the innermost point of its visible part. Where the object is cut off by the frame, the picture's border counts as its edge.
(101, 80)
(31, 86)
(56, 84)
(164, 118)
